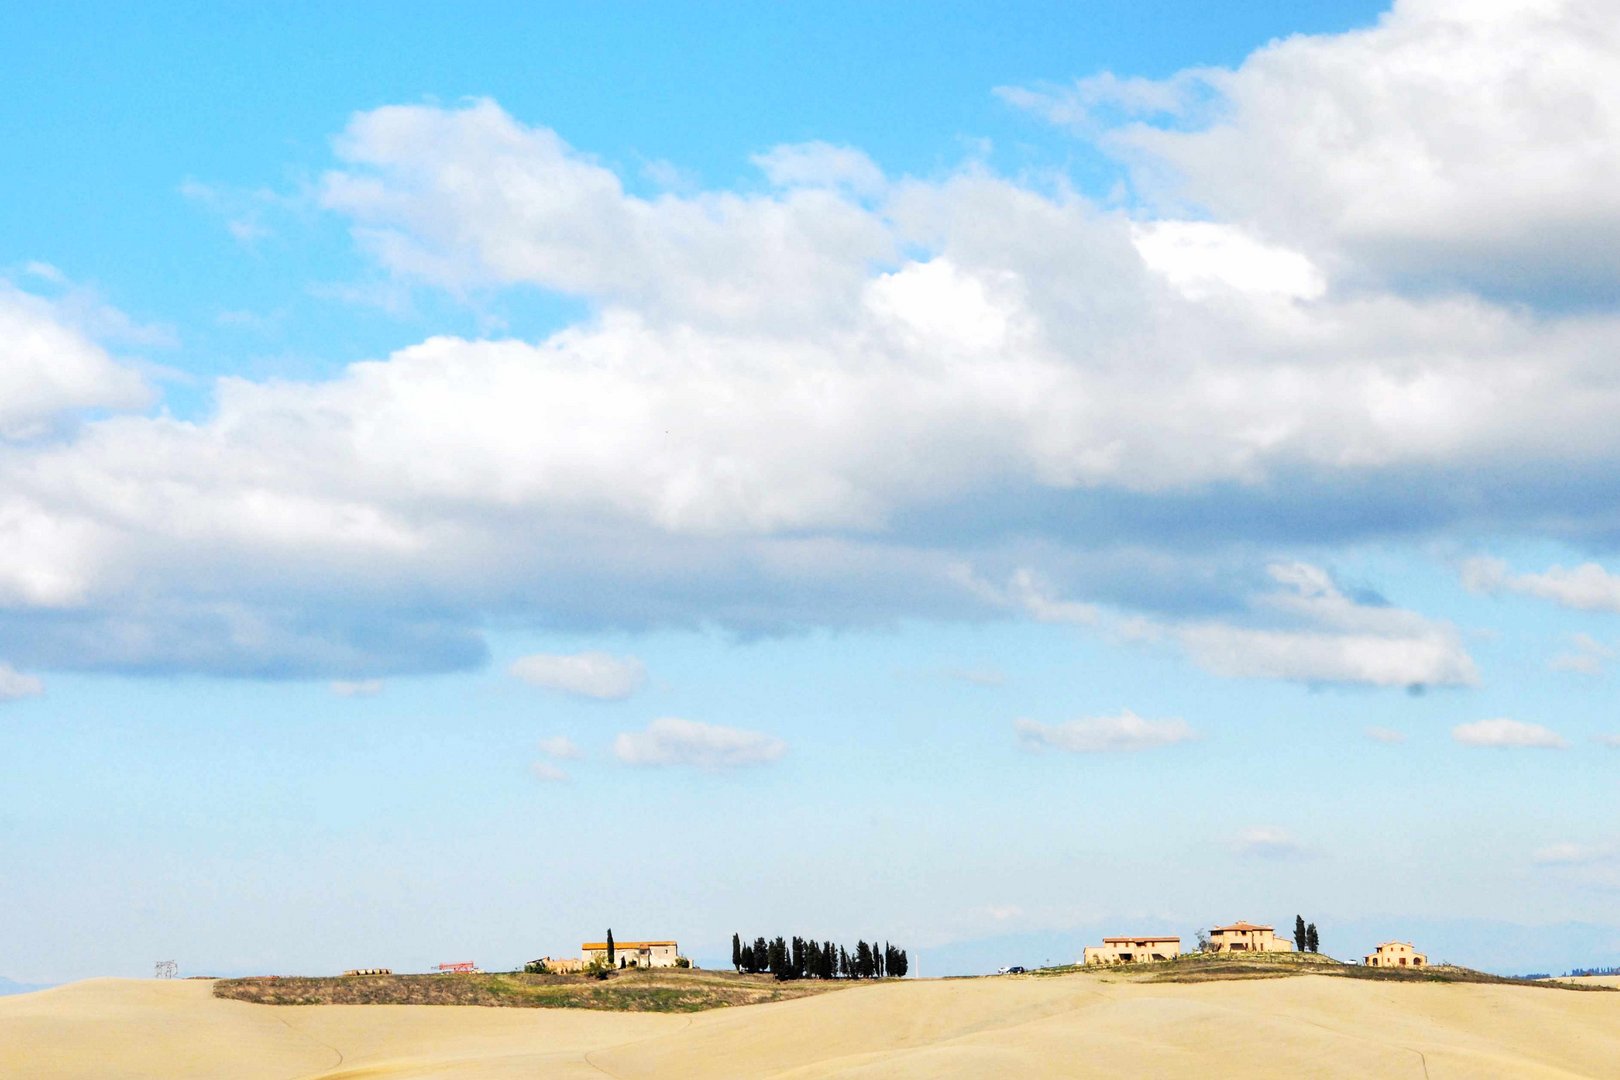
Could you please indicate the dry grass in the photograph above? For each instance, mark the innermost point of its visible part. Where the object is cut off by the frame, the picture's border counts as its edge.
(1205, 967)
(665, 990)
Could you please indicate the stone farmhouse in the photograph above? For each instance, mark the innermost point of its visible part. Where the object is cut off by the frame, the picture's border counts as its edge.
(646, 954)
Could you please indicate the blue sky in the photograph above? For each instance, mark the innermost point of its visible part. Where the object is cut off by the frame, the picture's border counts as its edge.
(469, 479)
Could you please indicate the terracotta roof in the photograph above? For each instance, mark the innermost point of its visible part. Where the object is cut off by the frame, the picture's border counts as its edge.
(1110, 940)
(1240, 927)
(599, 945)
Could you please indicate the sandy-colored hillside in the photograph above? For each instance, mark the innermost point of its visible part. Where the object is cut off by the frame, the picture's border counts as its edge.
(1079, 1025)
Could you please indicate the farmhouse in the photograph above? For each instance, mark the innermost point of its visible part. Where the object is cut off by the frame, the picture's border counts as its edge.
(1397, 954)
(635, 953)
(1132, 950)
(1247, 937)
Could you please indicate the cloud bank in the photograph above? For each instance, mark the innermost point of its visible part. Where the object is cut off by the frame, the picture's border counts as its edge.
(839, 397)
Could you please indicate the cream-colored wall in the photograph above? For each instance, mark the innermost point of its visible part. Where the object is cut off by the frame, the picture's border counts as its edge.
(1393, 953)
(1251, 940)
(1138, 950)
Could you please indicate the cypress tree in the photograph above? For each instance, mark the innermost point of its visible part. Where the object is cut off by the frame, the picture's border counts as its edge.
(863, 960)
(1311, 941)
(736, 952)
(843, 963)
(610, 946)
(1299, 933)
(762, 955)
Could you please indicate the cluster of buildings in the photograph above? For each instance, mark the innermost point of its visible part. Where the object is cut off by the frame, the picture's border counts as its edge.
(636, 954)
(1240, 937)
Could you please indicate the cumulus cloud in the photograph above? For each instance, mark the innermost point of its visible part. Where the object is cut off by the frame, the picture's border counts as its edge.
(560, 747)
(50, 367)
(850, 398)
(1268, 842)
(819, 164)
(14, 685)
(597, 675)
(1455, 144)
(711, 747)
(1587, 587)
(1507, 733)
(1103, 734)
(1325, 636)
(357, 687)
(1585, 656)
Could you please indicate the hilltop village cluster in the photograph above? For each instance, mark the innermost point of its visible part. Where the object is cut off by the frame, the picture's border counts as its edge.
(1241, 937)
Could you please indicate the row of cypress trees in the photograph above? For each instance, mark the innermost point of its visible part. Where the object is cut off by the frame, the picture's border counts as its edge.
(801, 958)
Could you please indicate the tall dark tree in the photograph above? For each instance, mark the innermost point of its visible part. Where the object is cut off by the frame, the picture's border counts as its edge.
(610, 946)
(843, 963)
(762, 955)
(1299, 933)
(747, 963)
(1311, 941)
(736, 952)
(863, 960)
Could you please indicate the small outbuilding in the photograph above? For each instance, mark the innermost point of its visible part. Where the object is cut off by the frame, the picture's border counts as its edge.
(1396, 954)
(1132, 950)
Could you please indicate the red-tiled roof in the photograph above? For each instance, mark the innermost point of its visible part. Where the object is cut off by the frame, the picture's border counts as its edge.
(1240, 927)
(600, 946)
(1116, 940)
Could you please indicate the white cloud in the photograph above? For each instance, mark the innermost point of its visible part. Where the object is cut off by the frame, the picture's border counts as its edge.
(801, 407)
(1103, 734)
(350, 688)
(1587, 587)
(1205, 260)
(50, 368)
(673, 741)
(14, 685)
(547, 773)
(1451, 141)
(819, 164)
(1586, 656)
(1572, 854)
(1507, 733)
(1385, 735)
(560, 747)
(1268, 842)
(1327, 637)
(1612, 741)
(588, 674)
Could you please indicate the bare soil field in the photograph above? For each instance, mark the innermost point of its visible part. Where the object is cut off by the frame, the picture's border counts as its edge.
(1078, 1025)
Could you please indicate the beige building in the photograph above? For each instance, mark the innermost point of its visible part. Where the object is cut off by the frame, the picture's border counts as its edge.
(645, 954)
(1397, 954)
(1132, 950)
(1247, 937)
(561, 965)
